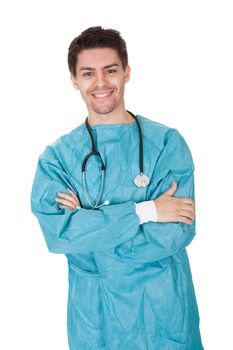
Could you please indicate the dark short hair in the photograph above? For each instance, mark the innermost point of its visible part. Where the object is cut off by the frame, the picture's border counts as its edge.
(97, 37)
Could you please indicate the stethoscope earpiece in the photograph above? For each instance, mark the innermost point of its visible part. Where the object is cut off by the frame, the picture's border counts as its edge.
(140, 180)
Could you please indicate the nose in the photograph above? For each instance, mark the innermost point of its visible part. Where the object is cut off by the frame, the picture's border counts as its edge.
(100, 79)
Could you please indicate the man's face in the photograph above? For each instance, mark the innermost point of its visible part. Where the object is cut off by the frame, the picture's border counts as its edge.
(101, 79)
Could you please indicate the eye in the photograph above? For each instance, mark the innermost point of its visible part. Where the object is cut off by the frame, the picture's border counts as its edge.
(87, 74)
(111, 71)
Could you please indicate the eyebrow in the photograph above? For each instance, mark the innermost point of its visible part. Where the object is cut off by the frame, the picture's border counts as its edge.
(105, 67)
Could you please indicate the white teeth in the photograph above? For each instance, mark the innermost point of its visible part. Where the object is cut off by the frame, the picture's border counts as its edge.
(103, 94)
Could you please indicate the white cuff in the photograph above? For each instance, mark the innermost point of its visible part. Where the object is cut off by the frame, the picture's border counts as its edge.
(146, 211)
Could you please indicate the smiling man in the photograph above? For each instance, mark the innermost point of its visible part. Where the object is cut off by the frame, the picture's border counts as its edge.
(102, 85)
(130, 284)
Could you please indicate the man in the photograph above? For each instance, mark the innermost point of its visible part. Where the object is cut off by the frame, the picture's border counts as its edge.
(130, 285)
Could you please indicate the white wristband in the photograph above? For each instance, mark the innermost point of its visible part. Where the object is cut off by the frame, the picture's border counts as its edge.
(146, 211)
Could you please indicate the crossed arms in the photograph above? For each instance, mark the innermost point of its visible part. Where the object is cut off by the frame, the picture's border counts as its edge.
(84, 230)
(169, 209)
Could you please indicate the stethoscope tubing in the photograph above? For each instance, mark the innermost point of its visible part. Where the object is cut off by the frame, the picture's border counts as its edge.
(95, 152)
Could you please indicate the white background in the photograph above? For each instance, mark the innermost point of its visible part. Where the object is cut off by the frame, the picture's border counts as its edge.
(180, 53)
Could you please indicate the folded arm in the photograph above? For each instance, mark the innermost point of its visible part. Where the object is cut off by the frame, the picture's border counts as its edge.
(158, 240)
(82, 230)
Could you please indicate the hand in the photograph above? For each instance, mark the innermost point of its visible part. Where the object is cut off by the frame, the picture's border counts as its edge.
(173, 209)
(69, 201)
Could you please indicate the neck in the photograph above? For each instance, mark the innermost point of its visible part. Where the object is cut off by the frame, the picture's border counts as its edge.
(120, 116)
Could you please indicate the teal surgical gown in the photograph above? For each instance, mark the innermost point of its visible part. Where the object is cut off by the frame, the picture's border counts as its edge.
(130, 285)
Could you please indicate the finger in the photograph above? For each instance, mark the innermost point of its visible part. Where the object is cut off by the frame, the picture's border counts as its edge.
(187, 213)
(65, 202)
(67, 197)
(187, 207)
(70, 208)
(188, 201)
(72, 193)
(74, 196)
(185, 220)
(183, 205)
(64, 206)
(183, 200)
(171, 190)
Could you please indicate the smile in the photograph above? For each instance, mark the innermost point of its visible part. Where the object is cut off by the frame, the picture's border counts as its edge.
(102, 94)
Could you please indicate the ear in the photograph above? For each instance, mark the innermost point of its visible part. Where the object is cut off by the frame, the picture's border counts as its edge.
(74, 82)
(127, 73)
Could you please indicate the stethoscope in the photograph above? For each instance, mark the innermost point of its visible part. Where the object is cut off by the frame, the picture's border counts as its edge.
(140, 180)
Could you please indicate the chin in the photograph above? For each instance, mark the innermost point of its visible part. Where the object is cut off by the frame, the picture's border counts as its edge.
(104, 110)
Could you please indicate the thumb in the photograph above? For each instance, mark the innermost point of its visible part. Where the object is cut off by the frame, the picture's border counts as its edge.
(172, 189)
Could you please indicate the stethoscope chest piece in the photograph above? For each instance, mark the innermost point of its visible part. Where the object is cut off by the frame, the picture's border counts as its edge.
(141, 180)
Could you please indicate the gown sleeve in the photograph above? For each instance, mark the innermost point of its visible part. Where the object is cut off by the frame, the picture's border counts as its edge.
(82, 230)
(157, 240)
